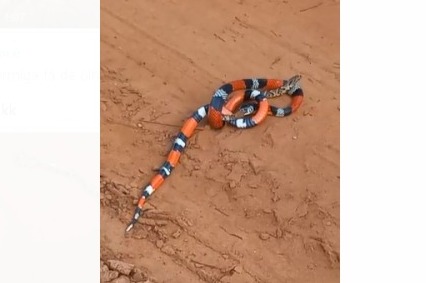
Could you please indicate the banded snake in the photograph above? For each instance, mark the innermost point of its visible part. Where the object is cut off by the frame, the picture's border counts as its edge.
(220, 111)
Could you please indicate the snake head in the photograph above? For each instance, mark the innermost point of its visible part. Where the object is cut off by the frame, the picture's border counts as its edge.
(289, 87)
(292, 84)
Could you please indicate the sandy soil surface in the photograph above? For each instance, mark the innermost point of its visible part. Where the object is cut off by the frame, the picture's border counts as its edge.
(257, 205)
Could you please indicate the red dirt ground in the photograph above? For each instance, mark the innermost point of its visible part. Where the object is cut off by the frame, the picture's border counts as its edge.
(257, 205)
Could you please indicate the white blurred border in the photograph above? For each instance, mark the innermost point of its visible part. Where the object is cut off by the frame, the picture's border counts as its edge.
(49, 14)
(49, 80)
(383, 141)
(49, 141)
(49, 207)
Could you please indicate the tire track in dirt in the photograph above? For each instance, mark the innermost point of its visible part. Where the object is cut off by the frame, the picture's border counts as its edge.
(314, 64)
(156, 41)
(277, 39)
(168, 90)
(261, 34)
(127, 56)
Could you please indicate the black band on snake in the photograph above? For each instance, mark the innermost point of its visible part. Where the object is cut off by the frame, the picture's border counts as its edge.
(254, 93)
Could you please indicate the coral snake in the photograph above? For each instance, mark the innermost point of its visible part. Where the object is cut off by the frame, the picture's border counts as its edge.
(254, 93)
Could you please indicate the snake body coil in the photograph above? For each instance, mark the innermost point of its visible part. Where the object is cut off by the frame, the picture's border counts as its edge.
(220, 111)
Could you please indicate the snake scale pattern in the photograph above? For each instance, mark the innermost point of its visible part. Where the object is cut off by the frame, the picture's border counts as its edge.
(249, 97)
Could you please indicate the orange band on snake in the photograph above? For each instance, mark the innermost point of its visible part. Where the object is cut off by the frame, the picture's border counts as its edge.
(257, 89)
(221, 110)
